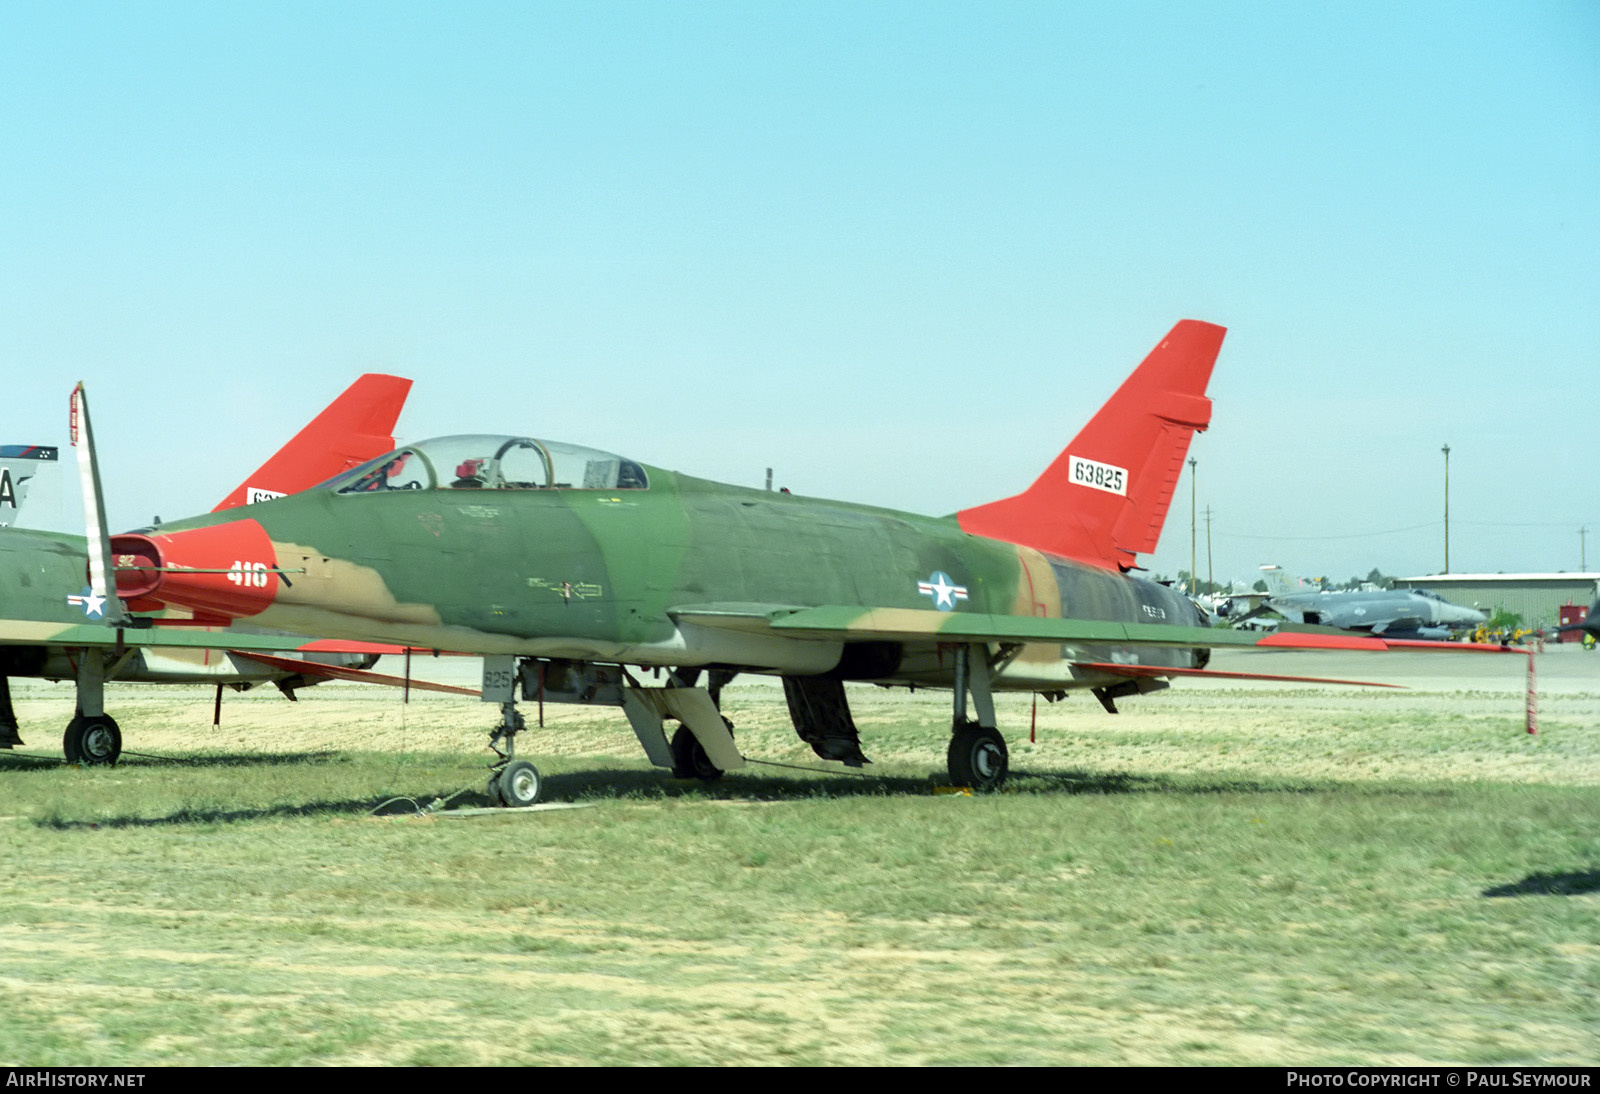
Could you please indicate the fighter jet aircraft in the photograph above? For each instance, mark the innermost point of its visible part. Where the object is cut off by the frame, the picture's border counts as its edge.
(1388, 613)
(50, 620)
(573, 568)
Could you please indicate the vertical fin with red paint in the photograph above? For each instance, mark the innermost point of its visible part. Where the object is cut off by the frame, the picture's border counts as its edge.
(355, 427)
(1104, 499)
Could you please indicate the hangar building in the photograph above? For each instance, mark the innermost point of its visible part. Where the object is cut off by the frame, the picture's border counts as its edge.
(1535, 597)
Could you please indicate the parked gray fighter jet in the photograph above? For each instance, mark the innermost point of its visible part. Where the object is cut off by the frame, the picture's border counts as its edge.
(1392, 613)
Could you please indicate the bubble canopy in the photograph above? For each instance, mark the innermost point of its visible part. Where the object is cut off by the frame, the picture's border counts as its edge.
(488, 462)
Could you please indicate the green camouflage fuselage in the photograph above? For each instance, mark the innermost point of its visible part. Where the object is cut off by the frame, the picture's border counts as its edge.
(685, 572)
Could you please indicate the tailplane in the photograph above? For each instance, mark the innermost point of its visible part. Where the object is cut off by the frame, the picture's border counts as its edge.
(1104, 499)
(356, 427)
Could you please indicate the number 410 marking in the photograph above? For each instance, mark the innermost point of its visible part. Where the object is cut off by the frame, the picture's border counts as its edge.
(252, 574)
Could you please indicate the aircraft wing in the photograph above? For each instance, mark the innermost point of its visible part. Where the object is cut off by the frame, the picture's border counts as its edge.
(34, 632)
(39, 632)
(839, 622)
(910, 624)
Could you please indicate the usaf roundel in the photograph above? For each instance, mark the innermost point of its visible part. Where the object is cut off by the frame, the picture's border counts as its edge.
(944, 592)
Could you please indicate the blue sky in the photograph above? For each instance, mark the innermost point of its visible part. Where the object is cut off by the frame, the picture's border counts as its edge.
(898, 252)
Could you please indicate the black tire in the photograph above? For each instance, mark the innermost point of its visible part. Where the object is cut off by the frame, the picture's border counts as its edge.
(978, 757)
(518, 784)
(689, 759)
(92, 741)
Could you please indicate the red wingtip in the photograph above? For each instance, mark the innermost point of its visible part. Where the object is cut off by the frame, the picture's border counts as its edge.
(355, 427)
(1105, 498)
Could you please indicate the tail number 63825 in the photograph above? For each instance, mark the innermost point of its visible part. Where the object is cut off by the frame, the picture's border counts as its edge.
(1099, 476)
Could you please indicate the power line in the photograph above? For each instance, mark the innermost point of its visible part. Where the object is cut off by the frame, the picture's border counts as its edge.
(1408, 528)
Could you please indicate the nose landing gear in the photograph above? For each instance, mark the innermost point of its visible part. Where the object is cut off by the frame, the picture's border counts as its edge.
(512, 782)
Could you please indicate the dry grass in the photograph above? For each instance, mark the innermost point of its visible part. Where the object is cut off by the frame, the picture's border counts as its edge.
(1213, 876)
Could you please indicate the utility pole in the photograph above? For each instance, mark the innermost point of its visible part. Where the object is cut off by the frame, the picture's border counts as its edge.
(1192, 514)
(1211, 584)
(1583, 550)
(1446, 451)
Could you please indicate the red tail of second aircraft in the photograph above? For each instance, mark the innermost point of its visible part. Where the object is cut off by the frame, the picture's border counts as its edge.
(356, 427)
(1104, 499)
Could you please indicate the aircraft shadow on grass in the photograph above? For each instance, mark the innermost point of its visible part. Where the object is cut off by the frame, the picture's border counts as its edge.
(214, 816)
(1576, 883)
(612, 784)
(581, 785)
(25, 762)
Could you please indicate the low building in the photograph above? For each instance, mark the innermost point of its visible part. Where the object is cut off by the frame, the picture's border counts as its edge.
(1537, 598)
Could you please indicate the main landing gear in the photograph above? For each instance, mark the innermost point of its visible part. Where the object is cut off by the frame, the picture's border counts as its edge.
(93, 738)
(977, 757)
(689, 757)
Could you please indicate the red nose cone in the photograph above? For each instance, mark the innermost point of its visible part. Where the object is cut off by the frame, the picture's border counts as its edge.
(226, 569)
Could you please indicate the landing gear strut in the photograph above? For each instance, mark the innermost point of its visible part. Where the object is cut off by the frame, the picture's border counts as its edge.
(93, 738)
(512, 782)
(977, 757)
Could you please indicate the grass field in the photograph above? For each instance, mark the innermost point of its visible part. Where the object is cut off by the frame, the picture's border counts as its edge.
(1212, 876)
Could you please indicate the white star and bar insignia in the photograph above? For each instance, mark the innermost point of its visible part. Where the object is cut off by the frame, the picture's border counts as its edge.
(93, 606)
(945, 592)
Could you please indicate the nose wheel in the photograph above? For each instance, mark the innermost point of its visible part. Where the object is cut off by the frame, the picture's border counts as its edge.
(513, 783)
(516, 785)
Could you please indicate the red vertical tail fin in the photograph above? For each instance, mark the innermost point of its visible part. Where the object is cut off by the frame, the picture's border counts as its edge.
(354, 428)
(1106, 496)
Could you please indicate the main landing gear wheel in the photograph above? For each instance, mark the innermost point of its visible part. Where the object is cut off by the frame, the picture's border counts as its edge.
(978, 757)
(689, 759)
(516, 785)
(92, 740)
